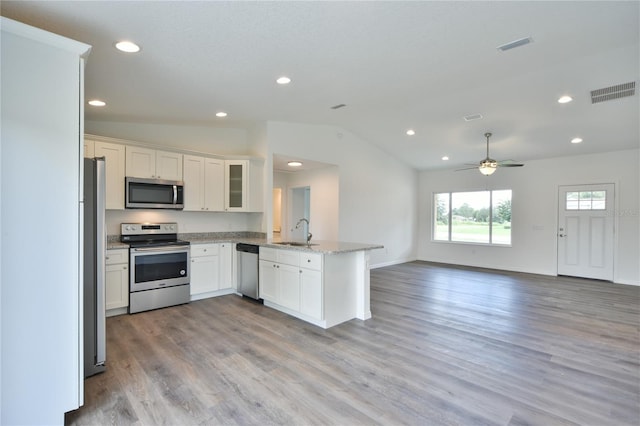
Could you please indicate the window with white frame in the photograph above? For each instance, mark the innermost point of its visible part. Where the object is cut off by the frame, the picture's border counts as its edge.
(482, 217)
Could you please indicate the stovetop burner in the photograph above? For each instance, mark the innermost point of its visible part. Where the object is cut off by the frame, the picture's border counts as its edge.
(150, 234)
(156, 243)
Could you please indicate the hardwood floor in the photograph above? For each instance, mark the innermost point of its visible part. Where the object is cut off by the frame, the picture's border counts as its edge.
(446, 346)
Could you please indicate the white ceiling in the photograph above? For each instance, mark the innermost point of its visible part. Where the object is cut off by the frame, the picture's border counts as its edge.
(396, 65)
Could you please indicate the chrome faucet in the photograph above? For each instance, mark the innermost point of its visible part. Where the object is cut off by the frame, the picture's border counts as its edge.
(309, 235)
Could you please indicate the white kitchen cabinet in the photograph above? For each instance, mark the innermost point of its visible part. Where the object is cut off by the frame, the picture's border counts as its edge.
(211, 270)
(311, 297)
(318, 288)
(286, 283)
(243, 185)
(117, 279)
(204, 183)
(153, 164)
(205, 266)
(114, 173)
(268, 273)
(226, 266)
(289, 283)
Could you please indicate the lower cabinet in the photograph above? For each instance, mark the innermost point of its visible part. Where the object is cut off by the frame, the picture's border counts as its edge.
(311, 293)
(211, 270)
(117, 279)
(293, 281)
(227, 250)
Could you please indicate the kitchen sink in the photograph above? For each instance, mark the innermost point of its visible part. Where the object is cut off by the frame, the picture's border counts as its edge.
(295, 243)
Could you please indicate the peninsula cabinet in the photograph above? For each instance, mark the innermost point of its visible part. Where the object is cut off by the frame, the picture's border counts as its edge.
(114, 155)
(204, 183)
(294, 282)
(153, 164)
(243, 185)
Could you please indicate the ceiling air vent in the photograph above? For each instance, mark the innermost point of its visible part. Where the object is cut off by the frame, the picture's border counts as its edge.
(613, 92)
(472, 117)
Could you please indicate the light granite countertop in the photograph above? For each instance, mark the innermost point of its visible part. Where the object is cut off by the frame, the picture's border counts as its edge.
(317, 246)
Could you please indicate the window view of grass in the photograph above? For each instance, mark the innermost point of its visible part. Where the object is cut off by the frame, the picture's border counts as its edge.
(474, 217)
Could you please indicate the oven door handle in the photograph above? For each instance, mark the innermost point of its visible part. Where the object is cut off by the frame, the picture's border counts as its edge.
(163, 249)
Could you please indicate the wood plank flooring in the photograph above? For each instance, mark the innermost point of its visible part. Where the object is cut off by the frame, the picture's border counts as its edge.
(446, 346)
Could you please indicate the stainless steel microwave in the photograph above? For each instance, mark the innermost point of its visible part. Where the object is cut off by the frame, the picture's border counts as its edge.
(143, 193)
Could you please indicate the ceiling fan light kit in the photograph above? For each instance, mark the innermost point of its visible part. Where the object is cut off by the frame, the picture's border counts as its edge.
(488, 166)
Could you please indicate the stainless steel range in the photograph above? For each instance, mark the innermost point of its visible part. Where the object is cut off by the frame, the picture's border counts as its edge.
(159, 265)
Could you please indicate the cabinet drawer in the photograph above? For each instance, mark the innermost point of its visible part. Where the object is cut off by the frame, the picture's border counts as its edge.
(311, 261)
(114, 257)
(288, 257)
(267, 253)
(198, 250)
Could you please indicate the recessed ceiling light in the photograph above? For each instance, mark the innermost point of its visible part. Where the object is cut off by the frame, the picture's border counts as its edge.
(294, 164)
(565, 99)
(411, 132)
(221, 114)
(127, 47)
(96, 103)
(576, 140)
(445, 158)
(283, 80)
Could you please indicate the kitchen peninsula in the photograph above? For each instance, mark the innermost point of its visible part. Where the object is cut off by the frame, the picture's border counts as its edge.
(325, 283)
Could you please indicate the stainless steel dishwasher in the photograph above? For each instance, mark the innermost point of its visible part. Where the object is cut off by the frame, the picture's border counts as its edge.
(248, 270)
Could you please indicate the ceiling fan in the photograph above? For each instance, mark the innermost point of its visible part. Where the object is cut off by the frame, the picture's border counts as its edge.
(489, 165)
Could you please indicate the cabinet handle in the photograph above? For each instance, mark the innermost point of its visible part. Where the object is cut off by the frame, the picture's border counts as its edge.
(308, 260)
(124, 267)
(204, 249)
(107, 258)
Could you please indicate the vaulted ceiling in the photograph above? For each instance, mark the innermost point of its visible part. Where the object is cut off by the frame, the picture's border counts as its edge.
(395, 65)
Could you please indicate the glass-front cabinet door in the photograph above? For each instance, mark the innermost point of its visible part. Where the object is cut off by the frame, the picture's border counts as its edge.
(235, 185)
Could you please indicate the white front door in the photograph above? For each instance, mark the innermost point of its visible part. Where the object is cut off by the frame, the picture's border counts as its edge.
(585, 231)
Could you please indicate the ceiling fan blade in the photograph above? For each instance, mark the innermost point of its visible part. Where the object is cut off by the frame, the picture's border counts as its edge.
(511, 165)
(468, 168)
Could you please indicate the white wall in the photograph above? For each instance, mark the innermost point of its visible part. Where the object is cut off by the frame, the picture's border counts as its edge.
(325, 201)
(187, 221)
(377, 193)
(534, 212)
(210, 140)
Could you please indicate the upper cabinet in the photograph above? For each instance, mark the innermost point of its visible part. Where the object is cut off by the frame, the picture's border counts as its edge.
(204, 183)
(114, 155)
(153, 164)
(243, 185)
(210, 184)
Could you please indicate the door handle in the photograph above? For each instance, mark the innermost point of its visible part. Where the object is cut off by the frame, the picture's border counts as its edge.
(562, 235)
